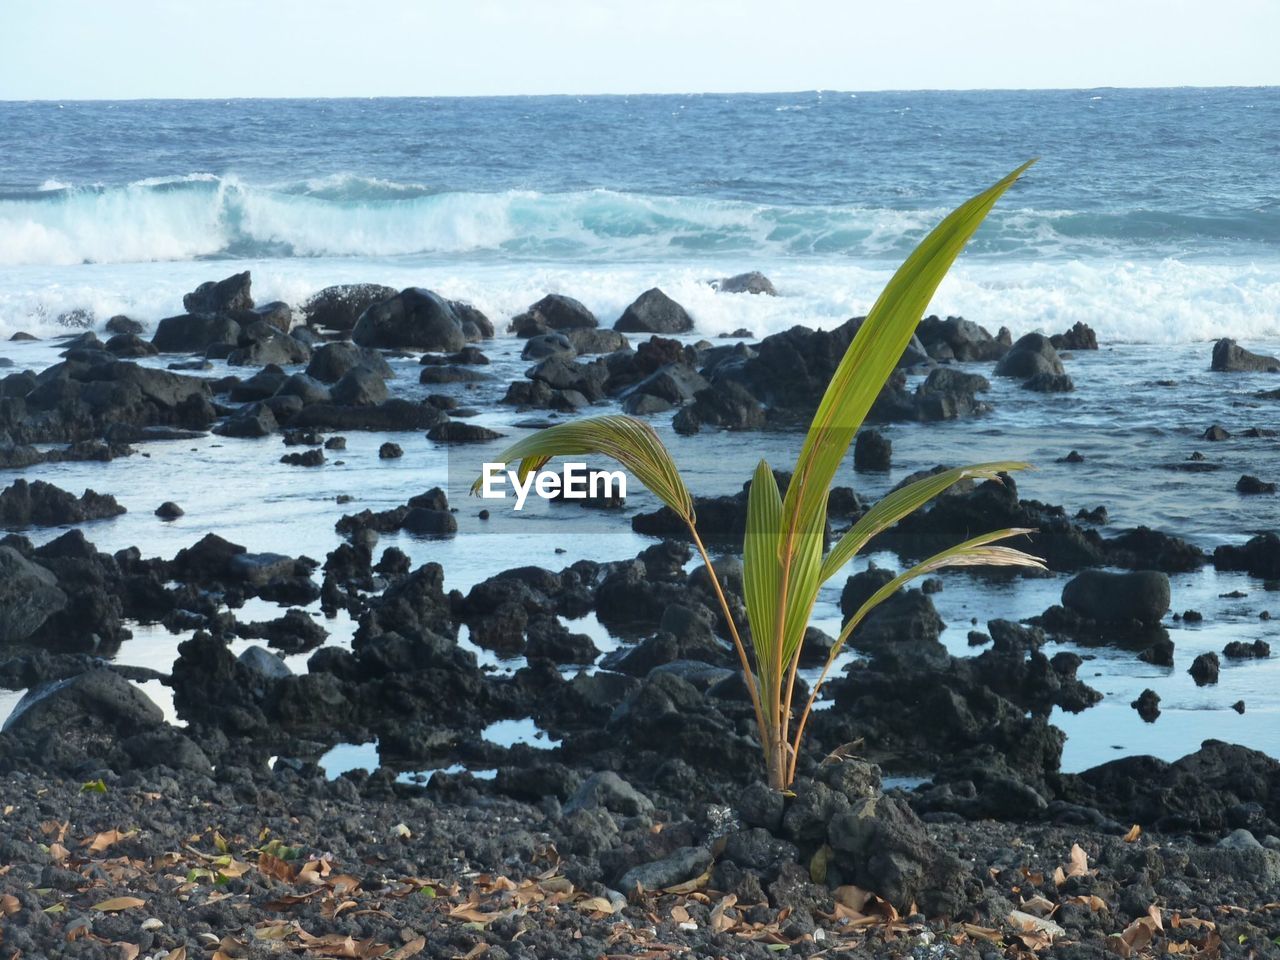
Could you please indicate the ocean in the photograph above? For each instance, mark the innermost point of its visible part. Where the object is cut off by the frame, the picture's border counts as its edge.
(1152, 215)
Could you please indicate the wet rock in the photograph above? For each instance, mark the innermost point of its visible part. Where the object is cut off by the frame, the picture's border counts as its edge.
(120, 324)
(728, 406)
(555, 311)
(1204, 669)
(129, 345)
(339, 307)
(1049, 383)
(413, 319)
(360, 387)
(548, 345)
(958, 339)
(332, 361)
(1201, 792)
(1239, 650)
(220, 296)
(1260, 557)
(549, 639)
(753, 282)
(434, 375)
(1032, 354)
(654, 312)
(295, 632)
(308, 458)
(254, 420)
(195, 333)
(1079, 337)
(586, 341)
(872, 451)
(29, 595)
(1147, 705)
(264, 663)
(390, 451)
(273, 347)
(1249, 484)
(394, 415)
(1114, 597)
(169, 511)
(305, 388)
(42, 504)
(1230, 357)
(453, 431)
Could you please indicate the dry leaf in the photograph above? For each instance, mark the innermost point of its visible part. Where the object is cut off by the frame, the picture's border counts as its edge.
(1134, 833)
(1039, 906)
(178, 953)
(9, 905)
(119, 903)
(1026, 923)
(1079, 865)
(719, 920)
(679, 914)
(128, 951)
(982, 933)
(597, 905)
(410, 949)
(690, 886)
(107, 839)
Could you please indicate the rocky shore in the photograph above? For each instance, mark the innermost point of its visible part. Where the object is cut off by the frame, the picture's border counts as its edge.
(932, 815)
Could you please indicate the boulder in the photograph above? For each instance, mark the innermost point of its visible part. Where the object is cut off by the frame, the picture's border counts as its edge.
(1079, 337)
(1230, 357)
(129, 345)
(872, 451)
(1106, 597)
(332, 361)
(454, 431)
(881, 846)
(339, 307)
(1204, 669)
(415, 319)
(99, 706)
(956, 338)
(1031, 355)
(753, 282)
(555, 311)
(654, 312)
(195, 333)
(120, 324)
(1260, 557)
(595, 340)
(548, 345)
(359, 387)
(42, 504)
(220, 296)
(29, 595)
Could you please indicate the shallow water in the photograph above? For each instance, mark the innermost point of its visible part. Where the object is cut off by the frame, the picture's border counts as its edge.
(1119, 418)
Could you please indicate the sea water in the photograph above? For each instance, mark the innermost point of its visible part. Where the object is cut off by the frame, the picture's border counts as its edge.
(1153, 216)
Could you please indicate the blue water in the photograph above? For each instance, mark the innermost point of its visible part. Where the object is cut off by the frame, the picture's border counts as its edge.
(1153, 214)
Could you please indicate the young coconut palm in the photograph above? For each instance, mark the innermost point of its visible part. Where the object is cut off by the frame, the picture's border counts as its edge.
(784, 563)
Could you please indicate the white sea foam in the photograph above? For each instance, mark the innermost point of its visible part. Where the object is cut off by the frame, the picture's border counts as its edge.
(347, 215)
(1157, 301)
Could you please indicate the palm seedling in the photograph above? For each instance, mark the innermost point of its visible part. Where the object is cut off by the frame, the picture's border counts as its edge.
(785, 560)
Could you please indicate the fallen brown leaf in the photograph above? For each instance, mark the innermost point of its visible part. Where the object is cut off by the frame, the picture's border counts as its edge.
(410, 949)
(116, 904)
(1134, 833)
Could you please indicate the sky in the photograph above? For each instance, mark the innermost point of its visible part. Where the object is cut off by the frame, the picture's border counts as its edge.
(92, 49)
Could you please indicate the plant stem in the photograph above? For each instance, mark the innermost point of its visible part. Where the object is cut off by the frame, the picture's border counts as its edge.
(768, 740)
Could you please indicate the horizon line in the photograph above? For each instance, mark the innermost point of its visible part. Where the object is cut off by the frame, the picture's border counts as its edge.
(687, 93)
